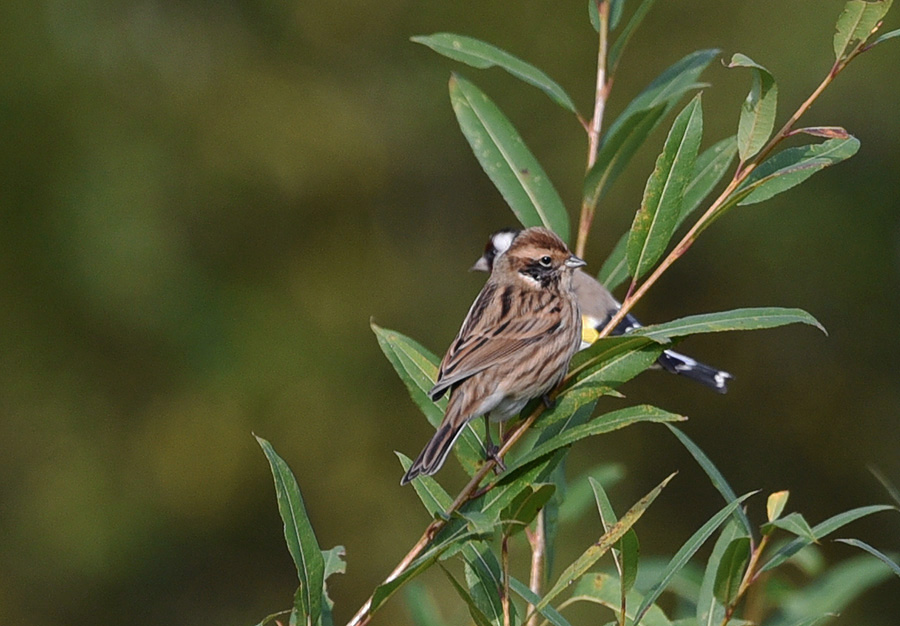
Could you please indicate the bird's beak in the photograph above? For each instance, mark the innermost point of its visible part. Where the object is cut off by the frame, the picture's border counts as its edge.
(481, 265)
(574, 261)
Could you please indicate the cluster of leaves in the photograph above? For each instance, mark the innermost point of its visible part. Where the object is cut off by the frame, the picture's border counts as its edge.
(533, 498)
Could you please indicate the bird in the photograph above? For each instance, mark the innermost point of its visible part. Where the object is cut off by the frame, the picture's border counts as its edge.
(598, 306)
(514, 345)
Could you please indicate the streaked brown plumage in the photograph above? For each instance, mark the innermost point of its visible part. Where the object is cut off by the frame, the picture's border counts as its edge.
(514, 345)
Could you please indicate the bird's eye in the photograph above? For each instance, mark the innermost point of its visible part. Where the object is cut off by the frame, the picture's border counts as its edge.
(546, 261)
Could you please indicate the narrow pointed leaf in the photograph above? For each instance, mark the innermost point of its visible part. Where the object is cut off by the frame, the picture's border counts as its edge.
(612, 361)
(604, 590)
(522, 511)
(607, 541)
(432, 495)
(874, 552)
(579, 493)
(821, 530)
(507, 160)
(670, 86)
(731, 570)
(417, 368)
(737, 319)
(758, 110)
(603, 424)
(660, 209)
(715, 476)
(710, 611)
(709, 169)
(888, 35)
(615, 13)
(614, 270)
(793, 523)
(482, 55)
(856, 23)
(826, 132)
(687, 551)
(548, 612)
(627, 550)
(615, 52)
(792, 166)
(474, 610)
(484, 581)
(890, 487)
(299, 535)
(618, 146)
(594, 15)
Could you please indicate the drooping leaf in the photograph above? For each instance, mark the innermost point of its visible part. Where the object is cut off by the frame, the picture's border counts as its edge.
(731, 570)
(709, 168)
(655, 222)
(298, 534)
(627, 551)
(826, 132)
(507, 160)
(710, 611)
(579, 493)
(856, 23)
(737, 319)
(615, 13)
(775, 504)
(548, 612)
(715, 476)
(687, 551)
(597, 550)
(821, 530)
(874, 552)
(417, 368)
(484, 580)
(482, 55)
(474, 610)
(615, 52)
(602, 424)
(758, 110)
(519, 478)
(604, 589)
(522, 511)
(888, 35)
(792, 166)
(618, 146)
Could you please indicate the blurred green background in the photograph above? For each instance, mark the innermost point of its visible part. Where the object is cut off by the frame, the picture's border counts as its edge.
(204, 203)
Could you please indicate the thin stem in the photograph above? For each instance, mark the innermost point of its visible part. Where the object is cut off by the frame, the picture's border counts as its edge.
(750, 575)
(504, 592)
(538, 541)
(601, 93)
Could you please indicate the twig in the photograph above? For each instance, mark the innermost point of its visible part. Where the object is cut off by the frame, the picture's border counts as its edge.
(504, 591)
(538, 542)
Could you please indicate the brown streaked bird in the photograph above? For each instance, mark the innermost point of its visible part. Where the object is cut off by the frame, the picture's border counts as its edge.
(514, 345)
(598, 306)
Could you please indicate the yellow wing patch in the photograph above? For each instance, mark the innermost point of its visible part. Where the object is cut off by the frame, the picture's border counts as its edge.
(589, 334)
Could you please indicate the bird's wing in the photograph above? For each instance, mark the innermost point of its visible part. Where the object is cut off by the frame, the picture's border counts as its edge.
(491, 334)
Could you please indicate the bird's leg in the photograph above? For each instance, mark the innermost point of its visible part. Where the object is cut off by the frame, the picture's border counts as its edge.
(548, 401)
(491, 450)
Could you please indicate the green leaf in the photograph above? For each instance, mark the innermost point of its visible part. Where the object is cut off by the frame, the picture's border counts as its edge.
(891, 488)
(793, 523)
(876, 553)
(687, 551)
(484, 581)
(618, 146)
(655, 222)
(889, 35)
(614, 270)
(482, 55)
(597, 550)
(604, 590)
(615, 13)
(298, 534)
(548, 612)
(612, 361)
(709, 168)
(474, 610)
(602, 424)
(268, 619)
(832, 591)
(619, 45)
(737, 319)
(758, 110)
(333, 561)
(627, 550)
(594, 14)
(856, 23)
(715, 476)
(821, 530)
(430, 492)
(417, 368)
(792, 166)
(731, 570)
(710, 611)
(507, 160)
(579, 492)
(775, 504)
(526, 506)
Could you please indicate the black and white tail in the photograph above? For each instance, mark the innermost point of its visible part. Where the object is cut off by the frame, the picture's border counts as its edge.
(435, 453)
(676, 363)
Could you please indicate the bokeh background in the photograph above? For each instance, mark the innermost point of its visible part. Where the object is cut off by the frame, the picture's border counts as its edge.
(205, 203)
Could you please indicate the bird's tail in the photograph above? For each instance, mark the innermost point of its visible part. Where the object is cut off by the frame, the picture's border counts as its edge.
(676, 363)
(435, 453)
